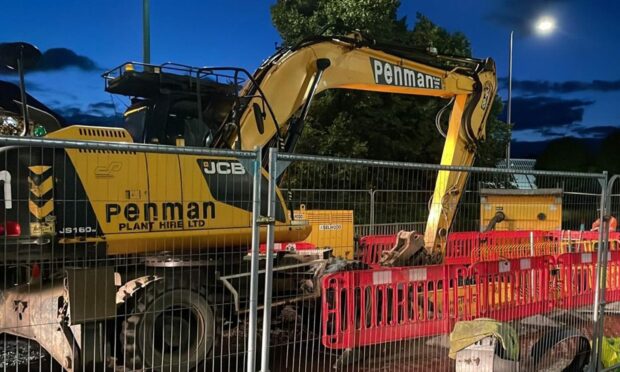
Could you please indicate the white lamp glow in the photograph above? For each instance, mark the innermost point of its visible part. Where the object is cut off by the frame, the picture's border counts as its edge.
(545, 25)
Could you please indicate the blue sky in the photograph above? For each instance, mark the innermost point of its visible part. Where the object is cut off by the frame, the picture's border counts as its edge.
(240, 33)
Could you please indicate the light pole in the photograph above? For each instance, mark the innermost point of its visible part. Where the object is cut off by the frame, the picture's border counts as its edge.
(146, 31)
(543, 26)
(509, 110)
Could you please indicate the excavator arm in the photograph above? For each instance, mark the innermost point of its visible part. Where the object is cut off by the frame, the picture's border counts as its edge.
(289, 80)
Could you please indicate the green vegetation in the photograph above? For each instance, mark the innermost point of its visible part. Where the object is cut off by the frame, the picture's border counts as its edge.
(376, 125)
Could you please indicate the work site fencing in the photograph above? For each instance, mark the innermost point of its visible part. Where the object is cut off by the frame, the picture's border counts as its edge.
(536, 270)
(608, 300)
(145, 257)
(132, 257)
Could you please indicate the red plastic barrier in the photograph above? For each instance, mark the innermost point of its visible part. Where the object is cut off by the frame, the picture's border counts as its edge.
(371, 247)
(289, 247)
(461, 247)
(577, 278)
(374, 306)
(383, 305)
(612, 289)
(472, 247)
(379, 305)
(511, 289)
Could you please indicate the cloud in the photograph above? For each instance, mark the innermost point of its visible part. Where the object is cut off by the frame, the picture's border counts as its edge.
(102, 109)
(600, 131)
(544, 113)
(518, 15)
(31, 86)
(102, 106)
(59, 59)
(571, 86)
(74, 115)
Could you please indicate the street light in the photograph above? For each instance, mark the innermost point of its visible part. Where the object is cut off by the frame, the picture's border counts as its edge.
(543, 26)
(146, 31)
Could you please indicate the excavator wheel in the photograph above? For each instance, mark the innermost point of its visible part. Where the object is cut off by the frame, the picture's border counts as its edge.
(172, 327)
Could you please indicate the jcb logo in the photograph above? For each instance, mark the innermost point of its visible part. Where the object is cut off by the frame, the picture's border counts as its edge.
(222, 167)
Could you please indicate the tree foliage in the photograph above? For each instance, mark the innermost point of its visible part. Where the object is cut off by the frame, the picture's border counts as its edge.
(296, 19)
(609, 157)
(582, 154)
(377, 125)
(565, 154)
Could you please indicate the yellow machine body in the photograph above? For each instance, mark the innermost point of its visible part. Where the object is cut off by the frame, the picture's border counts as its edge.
(151, 202)
(538, 209)
(330, 228)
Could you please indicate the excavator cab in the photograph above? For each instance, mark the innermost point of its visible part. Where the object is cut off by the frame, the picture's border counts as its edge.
(172, 104)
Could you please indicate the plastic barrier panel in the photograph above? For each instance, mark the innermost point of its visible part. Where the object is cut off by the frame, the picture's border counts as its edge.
(577, 278)
(375, 306)
(577, 273)
(500, 245)
(461, 247)
(464, 248)
(472, 247)
(371, 247)
(511, 289)
(612, 290)
(389, 304)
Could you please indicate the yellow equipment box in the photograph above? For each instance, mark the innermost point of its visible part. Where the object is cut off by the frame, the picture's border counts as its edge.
(537, 209)
(330, 229)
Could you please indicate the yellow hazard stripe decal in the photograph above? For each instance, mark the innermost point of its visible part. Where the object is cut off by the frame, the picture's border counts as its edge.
(43, 188)
(39, 169)
(40, 212)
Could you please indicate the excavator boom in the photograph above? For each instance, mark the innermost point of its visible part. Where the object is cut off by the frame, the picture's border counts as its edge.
(290, 79)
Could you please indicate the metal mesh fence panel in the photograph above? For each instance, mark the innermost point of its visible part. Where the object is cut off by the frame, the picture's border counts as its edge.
(126, 257)
(608, 327)
(516, 263)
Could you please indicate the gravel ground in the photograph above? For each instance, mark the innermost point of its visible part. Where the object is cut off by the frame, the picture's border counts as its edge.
(297, 349)
(18, 355)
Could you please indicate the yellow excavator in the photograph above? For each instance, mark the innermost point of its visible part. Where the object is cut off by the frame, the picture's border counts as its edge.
(68, 209)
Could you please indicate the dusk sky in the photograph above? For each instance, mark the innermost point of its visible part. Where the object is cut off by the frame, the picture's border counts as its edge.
(566, 83)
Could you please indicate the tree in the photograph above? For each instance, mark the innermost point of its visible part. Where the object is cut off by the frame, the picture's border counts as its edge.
(377, 125)
(608, 156)
(296, 19)
(565, 154)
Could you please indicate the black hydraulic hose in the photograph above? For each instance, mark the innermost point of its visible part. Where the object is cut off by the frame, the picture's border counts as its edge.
(298, 125)
(499, 217)
(257, 88)
(439, 115)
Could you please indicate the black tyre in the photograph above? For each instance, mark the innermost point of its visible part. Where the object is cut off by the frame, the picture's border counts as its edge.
(170, 328)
